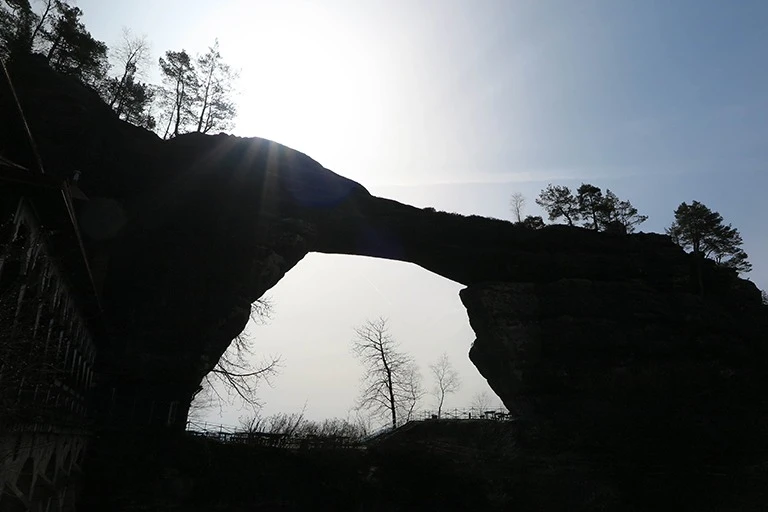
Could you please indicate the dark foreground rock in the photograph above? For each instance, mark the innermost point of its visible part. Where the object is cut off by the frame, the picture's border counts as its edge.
(643, 396)
(639, 385)
(466, 466)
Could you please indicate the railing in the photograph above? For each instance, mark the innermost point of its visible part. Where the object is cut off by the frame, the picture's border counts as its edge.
(465, 414)
(234, 435)
(212, 428)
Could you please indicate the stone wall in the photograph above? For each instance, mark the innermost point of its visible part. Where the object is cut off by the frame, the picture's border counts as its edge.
(47, 357)
(41, 469)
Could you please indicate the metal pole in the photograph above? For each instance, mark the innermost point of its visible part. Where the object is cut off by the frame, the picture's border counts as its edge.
(27, 131)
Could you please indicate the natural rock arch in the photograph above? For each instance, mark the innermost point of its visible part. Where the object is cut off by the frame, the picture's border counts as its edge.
(595, 338)
(233, 215)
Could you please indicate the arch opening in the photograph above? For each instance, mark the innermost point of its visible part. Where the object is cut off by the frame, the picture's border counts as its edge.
(316, 307)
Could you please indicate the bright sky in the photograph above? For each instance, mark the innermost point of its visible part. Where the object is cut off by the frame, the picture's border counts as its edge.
(458, 104)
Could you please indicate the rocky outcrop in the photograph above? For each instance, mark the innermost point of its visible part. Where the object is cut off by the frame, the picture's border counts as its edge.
(645, 394)
(604, 343)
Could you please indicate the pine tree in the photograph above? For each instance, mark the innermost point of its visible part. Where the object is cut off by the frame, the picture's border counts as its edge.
(180, 83)
(558, 201)
(591, 205)
(70, 48)
(702, 230)
(213, 103)
(615, 210)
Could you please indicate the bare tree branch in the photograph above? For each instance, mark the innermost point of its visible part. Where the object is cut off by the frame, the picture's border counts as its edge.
(482, 401)
(391, 380)
(237, 375)
(447, 380)
(517, 204)
(130, 59)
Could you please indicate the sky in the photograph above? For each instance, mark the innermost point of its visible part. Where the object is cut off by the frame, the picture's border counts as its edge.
(457, 105)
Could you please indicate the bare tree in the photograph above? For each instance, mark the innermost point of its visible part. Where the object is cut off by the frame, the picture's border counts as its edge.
(482, 401)
(252, 424)
(261, 310)
(362, 423)
(287, 424)
(388, 371)
(337, 427)
(239, 374)
(296, 425)
(517, 205)
(447, 380)
(130, 98)
(236, 375)
(129, 58)
(412, 392)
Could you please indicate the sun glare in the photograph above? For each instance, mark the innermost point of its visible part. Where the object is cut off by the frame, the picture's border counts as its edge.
(309, 81)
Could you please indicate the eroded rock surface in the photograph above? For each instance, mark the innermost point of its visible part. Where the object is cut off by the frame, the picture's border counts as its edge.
(603, 343)
(643, 393)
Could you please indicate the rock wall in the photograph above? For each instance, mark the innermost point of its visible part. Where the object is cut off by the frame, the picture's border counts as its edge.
(644, 396)
(607, 347)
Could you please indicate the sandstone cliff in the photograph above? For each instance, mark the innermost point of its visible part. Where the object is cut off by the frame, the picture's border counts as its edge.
(624, 373)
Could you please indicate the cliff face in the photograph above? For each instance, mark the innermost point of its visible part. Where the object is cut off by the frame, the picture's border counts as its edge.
(643, 394)
(602, 342)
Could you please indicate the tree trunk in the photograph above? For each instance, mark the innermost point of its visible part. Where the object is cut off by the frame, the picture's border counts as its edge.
(128, 64)
(168, 127)
(390, 385)
(179, 105)
(120, 87)
(53, 48)
(205, 99)
(40, 23)
(178, 121)
(391, 398)
(120, 107)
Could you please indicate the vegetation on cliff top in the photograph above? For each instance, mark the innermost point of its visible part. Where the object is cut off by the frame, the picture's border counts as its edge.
(196, 94)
